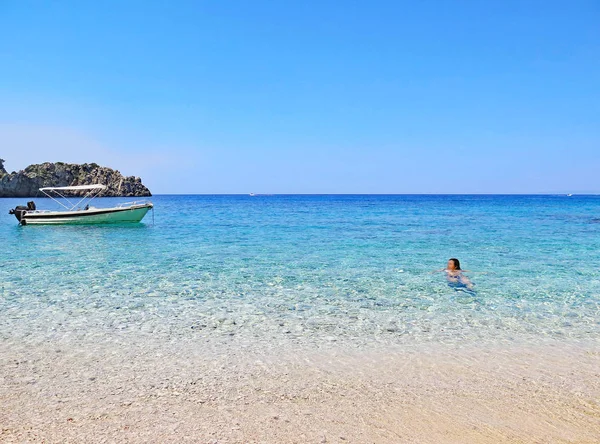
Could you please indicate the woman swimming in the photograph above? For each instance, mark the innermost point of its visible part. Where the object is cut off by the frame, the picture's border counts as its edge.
(455, 276)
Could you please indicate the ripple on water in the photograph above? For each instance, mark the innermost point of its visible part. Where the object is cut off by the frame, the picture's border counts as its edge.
(310, 270)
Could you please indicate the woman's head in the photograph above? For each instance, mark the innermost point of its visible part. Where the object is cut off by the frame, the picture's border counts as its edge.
(453, 264)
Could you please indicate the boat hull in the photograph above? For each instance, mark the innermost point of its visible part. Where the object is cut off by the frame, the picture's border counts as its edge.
(119, 215)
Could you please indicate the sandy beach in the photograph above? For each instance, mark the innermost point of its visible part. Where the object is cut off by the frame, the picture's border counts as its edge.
(222, 393)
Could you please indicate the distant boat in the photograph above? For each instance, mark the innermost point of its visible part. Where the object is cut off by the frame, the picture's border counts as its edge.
(569, 195)
(76, 213)
(252, 194)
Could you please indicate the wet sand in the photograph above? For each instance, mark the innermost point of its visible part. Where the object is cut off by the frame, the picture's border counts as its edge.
(224, 393)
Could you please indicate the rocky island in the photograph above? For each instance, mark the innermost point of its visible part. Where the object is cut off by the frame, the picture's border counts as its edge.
(26, 183)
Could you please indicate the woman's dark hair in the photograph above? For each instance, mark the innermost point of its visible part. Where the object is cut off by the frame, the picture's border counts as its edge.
(456, 263)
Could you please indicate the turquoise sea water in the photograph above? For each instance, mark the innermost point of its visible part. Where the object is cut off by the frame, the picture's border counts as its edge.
(309, 269)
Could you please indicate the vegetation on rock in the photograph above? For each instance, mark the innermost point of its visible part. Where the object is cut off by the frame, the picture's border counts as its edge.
(26, 183)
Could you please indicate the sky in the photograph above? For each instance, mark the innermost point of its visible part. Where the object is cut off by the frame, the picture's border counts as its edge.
(307, 96)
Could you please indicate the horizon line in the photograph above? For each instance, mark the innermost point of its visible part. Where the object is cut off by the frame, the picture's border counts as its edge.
(589, 193)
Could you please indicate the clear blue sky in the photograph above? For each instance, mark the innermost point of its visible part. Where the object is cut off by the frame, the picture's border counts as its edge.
(308, 96)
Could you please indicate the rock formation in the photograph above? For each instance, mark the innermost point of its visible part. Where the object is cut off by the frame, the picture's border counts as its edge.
(26, 183)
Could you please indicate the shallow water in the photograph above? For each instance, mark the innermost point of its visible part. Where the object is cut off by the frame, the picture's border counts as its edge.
(313, 270)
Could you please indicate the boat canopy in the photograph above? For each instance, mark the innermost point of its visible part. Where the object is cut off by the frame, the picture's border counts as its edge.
(92, 191)
(75, 188)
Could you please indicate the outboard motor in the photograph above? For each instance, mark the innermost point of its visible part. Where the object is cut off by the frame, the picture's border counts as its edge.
(20, 211)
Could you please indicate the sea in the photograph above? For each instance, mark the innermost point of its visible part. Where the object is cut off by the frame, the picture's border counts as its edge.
(309, 270)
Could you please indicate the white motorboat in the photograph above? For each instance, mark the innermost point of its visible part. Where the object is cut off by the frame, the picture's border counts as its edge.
(80, 212)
